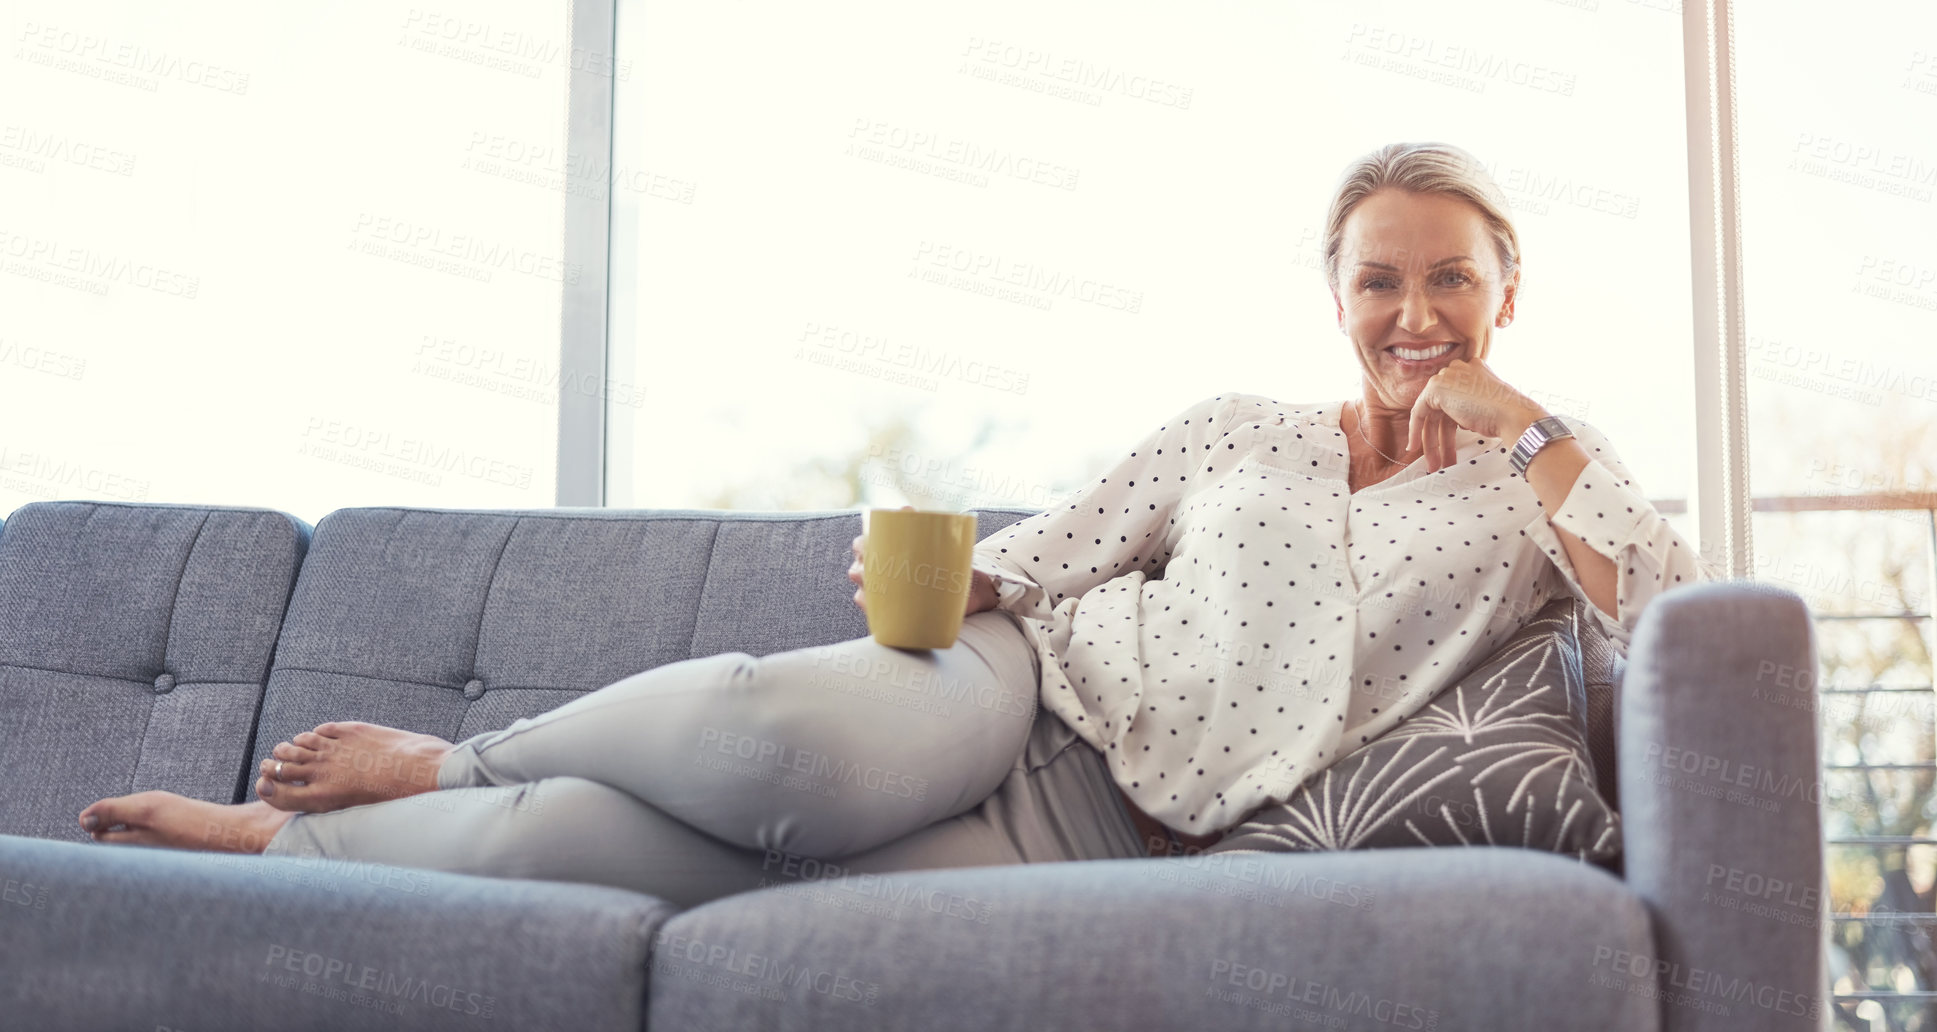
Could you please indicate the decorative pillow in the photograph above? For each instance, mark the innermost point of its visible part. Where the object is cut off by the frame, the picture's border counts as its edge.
(1498, 758)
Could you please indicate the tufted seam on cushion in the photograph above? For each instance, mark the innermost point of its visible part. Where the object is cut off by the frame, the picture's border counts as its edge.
(168, 632)
(76, 673)
(408, 683)
(699, 597)
(300, 548)
(188, 556)
(484, 607)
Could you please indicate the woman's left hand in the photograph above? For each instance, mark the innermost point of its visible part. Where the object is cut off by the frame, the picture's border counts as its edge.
(1466, 395)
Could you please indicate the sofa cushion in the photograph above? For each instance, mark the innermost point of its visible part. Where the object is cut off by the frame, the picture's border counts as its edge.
(131, 937)
(1498, 757)
(455, 622)
(134, 643)
(1375, 940)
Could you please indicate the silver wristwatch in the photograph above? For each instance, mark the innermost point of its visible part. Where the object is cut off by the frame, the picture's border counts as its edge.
(1543, 431)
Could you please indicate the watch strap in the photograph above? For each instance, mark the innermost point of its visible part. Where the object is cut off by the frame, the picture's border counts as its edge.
(1543, 432)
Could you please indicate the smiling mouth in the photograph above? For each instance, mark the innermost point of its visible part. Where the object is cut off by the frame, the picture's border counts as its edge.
(1425, 354)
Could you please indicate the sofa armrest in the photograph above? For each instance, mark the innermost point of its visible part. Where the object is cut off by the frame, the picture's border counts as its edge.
(1721, 801)
(95, 936)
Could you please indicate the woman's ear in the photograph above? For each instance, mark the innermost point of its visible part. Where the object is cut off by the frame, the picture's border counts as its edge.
(1338, 309)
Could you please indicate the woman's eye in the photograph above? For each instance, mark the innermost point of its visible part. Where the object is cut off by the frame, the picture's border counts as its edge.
(1456, 279)
(1376, 284)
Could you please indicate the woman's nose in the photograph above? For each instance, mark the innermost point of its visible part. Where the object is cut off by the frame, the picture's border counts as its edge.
(1415, 310)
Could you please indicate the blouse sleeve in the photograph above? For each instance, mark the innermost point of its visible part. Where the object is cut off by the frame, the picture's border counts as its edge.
(1606, 510)
(1109, 527)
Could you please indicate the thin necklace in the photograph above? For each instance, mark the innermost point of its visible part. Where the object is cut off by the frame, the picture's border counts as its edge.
(1368, 441)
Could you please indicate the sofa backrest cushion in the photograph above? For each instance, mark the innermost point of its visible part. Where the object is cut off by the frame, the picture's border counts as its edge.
(134, 644)
(455, 622)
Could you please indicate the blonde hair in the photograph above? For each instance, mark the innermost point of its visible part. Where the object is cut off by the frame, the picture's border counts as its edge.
(1438, 168)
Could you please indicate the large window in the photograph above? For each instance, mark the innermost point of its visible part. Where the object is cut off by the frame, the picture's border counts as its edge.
(296, 256)
(875, 253)
(1839, 181)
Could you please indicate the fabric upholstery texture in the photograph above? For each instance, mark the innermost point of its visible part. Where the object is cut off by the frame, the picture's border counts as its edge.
(134, 643)
(455, 622)
(1723, 818)
(1498, 757)
(1602, 667)
(1383, 939)
(131, 937)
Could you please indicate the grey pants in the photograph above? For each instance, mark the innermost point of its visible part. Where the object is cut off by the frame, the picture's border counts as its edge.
(717, 775)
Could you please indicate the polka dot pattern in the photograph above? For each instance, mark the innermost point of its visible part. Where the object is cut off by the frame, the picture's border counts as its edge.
(1222, 616)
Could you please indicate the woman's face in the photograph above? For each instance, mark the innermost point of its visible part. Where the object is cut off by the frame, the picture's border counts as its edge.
(1419, 285)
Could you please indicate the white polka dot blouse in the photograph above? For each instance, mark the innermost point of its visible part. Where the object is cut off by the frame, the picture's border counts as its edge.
(1222, 617)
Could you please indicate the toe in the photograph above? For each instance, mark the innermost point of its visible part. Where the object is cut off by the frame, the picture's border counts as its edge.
(310, 740)
(130, 810)
(292, 754)
(284, 771)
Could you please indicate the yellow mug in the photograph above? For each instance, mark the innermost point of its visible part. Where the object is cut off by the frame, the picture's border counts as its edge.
(915, 570)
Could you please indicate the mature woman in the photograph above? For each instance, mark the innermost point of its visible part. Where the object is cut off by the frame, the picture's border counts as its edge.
(1253, 592)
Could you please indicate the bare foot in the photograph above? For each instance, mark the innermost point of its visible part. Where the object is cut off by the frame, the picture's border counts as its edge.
(178, 822)
(349, 763)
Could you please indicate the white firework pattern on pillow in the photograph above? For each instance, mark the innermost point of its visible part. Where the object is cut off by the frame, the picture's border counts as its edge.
(1498, 758)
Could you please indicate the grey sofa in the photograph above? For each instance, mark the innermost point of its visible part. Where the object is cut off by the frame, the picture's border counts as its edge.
(157, 646)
